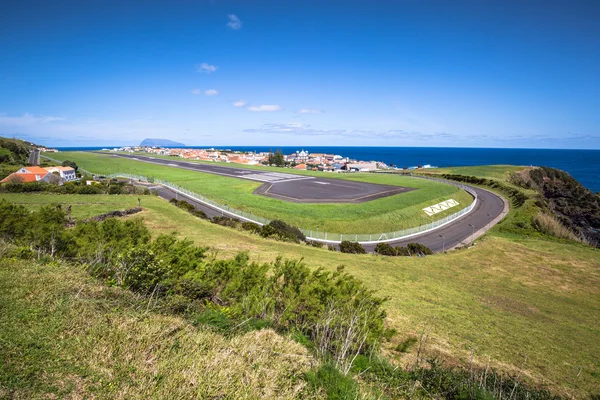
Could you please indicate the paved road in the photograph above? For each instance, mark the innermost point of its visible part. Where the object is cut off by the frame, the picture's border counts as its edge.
(488, 208)
(34, 157)
(459, 232)
(289, 187)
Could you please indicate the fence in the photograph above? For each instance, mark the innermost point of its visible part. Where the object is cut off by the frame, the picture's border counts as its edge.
(328, 237)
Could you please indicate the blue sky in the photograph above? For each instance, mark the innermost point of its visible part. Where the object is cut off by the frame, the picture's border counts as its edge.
(358, 73)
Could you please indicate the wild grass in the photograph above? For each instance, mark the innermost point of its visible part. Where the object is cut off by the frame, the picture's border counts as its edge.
(549, 225)
(65, 336)
(382, 215)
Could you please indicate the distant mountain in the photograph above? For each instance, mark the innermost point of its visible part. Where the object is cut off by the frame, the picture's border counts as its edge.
(161, 142)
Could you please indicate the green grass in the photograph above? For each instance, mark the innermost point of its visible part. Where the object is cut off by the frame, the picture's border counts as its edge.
(499, 172)
(382, 215)
(65, 336)
(510, 297)
(82, 205)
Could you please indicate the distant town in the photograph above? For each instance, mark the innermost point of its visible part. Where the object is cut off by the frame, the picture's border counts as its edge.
(301, 160)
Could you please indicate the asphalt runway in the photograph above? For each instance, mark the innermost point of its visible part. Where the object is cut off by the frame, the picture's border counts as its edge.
(290, 187)
(459, 232)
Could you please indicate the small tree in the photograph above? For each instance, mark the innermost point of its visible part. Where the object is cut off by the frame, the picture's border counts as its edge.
(278, 159)
(352, 247)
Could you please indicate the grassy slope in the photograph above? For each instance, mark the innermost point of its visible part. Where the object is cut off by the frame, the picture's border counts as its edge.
(509, 298)
(382, 215)
(65, 336)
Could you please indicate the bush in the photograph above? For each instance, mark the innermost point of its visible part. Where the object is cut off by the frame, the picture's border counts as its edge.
(418, 249)
(385, 249)
(226, 221)
(352, 247)
(251, 227)
(314, 243)
(332, 247)
(140, 270)
(283, 231)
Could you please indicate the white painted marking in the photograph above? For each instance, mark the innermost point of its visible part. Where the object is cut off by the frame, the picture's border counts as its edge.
(323, 183)
(437, 208)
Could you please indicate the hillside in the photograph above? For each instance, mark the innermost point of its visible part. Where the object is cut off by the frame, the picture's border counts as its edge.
(161, 142)
(521, 302)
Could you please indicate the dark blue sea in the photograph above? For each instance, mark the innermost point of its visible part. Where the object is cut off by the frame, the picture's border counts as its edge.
(583, 165)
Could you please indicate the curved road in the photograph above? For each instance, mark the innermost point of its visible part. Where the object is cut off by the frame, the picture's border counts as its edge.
(487, 211)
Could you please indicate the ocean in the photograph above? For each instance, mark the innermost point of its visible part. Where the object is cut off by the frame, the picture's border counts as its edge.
(583, 165)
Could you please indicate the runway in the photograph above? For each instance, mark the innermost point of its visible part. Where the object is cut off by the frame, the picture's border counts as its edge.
(290, 187)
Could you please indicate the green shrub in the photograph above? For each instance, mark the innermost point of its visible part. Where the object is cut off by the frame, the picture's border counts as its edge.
(226, 221)
(140, 270)
(417, 249)
(314, 243)
(352, 247)
(282, 230)
(385, 249)
(251, 227)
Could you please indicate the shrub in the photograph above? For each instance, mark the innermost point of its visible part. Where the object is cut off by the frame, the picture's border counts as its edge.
(385, 249)
(314, 243)
(140, 270)
(332, 247)
(199, 214)
(283, 231)
(352, 247)
(226, 221)
(251, 227)
(418, 249)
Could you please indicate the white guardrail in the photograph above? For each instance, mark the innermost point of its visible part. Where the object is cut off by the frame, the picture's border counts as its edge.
(325, 237)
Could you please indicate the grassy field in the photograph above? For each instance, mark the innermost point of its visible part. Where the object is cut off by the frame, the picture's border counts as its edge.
(501, 172)
(82, 206)
(528, 303)
(66, 336)
(382, 215)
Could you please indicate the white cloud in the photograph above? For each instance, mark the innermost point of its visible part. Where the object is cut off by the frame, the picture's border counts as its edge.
(239, 103)
(196, 91)
(206, 68)
(234, 22)
(309, 111)
(211, 92)
(27, 119)
(265, 107)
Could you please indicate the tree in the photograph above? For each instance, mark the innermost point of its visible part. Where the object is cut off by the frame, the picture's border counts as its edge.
(278, 159)
(72, 164)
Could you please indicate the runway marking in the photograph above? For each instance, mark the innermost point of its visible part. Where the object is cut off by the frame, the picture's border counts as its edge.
(437, 208)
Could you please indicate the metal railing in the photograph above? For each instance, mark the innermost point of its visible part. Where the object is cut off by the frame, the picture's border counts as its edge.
(327, 237)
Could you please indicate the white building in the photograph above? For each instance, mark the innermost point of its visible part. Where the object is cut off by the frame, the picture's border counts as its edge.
(67, 174)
